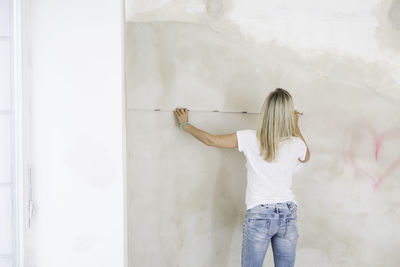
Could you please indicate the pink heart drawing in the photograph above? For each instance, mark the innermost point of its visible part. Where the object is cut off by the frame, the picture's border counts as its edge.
(377, 175)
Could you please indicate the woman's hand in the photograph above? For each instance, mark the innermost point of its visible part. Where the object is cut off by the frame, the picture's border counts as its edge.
(182, 114)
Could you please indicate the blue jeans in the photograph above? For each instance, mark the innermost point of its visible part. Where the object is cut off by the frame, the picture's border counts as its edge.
(263, 223)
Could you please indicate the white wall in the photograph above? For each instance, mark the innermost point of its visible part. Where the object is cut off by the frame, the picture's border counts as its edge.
(75, 75)
(341, 62)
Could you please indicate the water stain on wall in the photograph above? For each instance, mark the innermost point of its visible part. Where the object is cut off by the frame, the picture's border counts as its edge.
(388, 31)
(394, 14)
(215, 8)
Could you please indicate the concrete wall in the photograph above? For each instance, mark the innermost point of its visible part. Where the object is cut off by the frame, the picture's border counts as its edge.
(341, 62)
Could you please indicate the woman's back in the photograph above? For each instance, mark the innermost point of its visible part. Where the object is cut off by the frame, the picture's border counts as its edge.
(270, 182)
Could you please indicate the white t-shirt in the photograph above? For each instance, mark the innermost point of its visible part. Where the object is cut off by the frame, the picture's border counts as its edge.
(270, 182)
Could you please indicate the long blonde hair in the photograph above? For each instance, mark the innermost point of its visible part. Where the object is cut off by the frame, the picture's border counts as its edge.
(276, 122)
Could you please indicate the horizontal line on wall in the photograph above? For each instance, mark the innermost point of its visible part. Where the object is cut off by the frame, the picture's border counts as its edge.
(169, 110)
(218, 111)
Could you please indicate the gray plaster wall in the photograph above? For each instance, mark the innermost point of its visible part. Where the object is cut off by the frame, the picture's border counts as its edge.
(339, 60)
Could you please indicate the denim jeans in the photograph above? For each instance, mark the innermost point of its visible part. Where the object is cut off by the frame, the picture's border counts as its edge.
(263, 223)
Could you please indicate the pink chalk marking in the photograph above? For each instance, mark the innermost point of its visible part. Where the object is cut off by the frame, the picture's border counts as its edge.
(378, 144)
(391, 168)
(377, 179)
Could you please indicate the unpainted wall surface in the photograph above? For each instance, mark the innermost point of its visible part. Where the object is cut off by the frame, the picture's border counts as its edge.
(339, 60)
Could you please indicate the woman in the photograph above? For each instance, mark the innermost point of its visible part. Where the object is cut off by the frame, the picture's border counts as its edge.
(273, 152)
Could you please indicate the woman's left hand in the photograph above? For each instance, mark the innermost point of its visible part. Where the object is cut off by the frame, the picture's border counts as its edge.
(182, 115)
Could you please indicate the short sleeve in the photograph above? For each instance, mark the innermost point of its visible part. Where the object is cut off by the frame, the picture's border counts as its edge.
(243, 137)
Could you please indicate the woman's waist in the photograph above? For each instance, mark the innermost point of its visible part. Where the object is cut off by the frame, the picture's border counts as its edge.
(283, 207)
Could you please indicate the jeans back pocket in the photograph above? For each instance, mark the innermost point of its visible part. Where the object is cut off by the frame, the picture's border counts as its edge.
(258, 226)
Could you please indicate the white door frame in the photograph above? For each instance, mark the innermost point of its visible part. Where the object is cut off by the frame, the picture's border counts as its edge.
(21, 129)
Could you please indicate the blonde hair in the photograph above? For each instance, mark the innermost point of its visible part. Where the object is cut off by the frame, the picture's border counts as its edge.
(276, 122)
